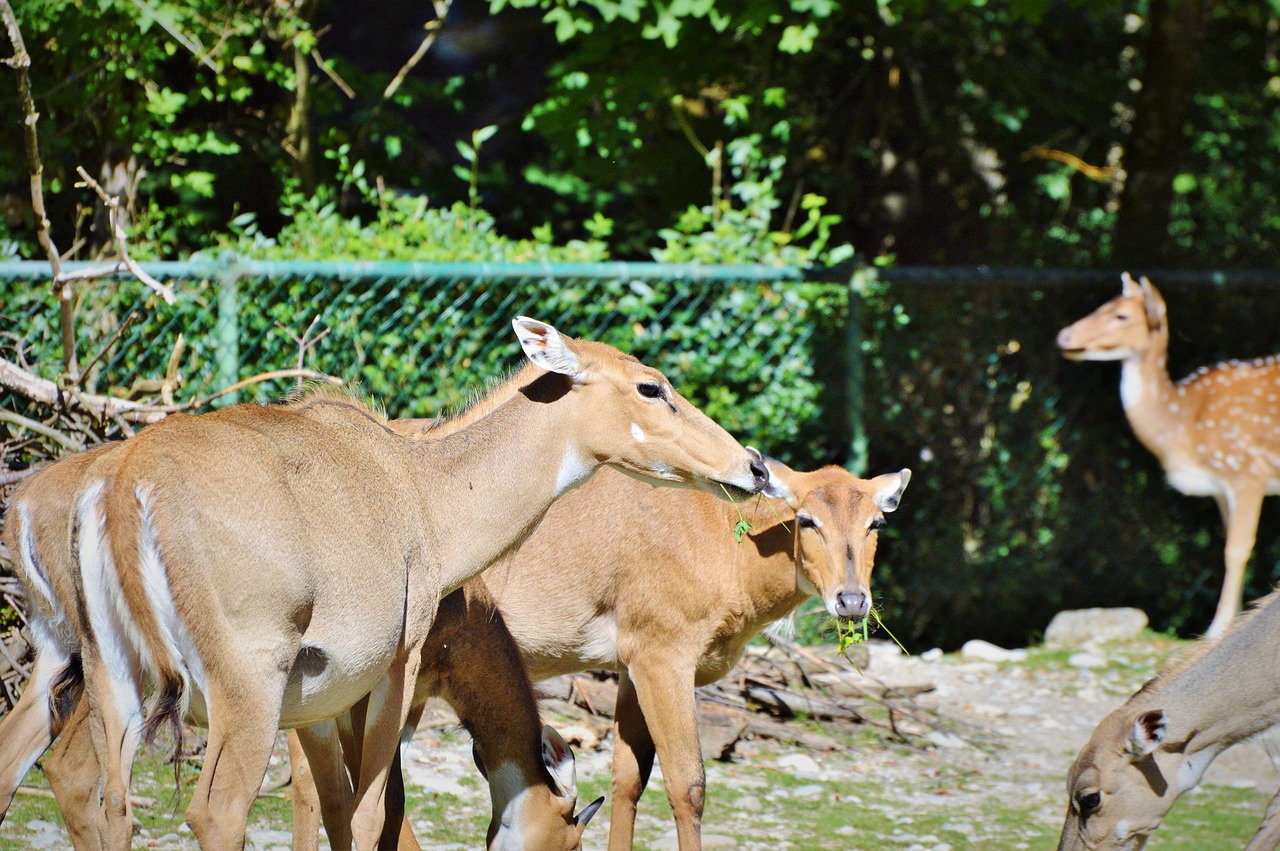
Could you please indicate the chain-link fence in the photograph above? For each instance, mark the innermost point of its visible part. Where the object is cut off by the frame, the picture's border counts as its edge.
(1030, 492)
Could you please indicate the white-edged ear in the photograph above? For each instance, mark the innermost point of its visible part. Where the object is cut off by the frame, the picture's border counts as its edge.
(544, 346)
(887, 490)
(777, 487)
(1149, 730)
(557, 756)
(1129, 287)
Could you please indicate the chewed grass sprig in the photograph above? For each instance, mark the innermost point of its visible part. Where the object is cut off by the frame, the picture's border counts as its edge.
(850, 633)
(743, 526)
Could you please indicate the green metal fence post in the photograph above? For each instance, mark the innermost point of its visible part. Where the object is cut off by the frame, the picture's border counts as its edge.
(228, 333)
(854, 374)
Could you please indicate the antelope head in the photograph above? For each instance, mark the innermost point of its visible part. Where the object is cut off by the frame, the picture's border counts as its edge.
(636, 422)
(837, 520)
(538, 816)
(1125, 780)
(1125, 327)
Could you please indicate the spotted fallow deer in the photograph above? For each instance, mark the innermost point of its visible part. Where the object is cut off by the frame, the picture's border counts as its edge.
(269, 567)
(1143, 756)
(469, 659)
(1216, 432)
(654, 586)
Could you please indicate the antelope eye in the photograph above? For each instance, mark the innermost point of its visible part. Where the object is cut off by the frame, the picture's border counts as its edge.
(877, 523)
(806, 522)
(1123, 317)
(1087, 802)
(649, 390)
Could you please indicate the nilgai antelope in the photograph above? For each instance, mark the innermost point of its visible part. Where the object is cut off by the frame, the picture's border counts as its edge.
(469, 658)
(1155, 747)
(655, 587)
(269, 567)
(1216, 432)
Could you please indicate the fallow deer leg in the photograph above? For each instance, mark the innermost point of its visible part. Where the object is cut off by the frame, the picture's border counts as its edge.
(1243, 508)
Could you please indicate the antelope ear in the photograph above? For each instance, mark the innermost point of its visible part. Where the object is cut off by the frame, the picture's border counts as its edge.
(557, 756)
(1129, 287)
(887, 490)
(545, 346)
(778, 487)
(1149, 730)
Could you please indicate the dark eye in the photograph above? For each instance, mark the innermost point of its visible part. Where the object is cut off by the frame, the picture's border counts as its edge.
(1087, 802)
(649, 390)
(1123, 317)
(805, 521)
(877, 523)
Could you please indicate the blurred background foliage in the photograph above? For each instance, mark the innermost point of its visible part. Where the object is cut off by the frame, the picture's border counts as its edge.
(964, 132)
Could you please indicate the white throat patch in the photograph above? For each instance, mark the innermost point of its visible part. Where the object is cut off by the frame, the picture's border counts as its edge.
(573, 471)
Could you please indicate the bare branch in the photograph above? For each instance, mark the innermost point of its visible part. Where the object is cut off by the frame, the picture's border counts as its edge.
(128, 320)
(41, 429)
(21, 63)
(122, 238)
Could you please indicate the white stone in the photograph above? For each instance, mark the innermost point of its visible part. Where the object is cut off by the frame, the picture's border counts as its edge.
(799, 764)
(984, 651)
(1086, 660)
(1074, 627)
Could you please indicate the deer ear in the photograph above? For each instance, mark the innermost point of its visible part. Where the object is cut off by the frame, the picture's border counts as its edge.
(1149, 731)
(887, 490)
(1154, 303)
(778, 487)
(1129, 287)
(557, 756)
(545, 346)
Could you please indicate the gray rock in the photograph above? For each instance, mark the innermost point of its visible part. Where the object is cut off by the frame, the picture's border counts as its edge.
(1076, 626)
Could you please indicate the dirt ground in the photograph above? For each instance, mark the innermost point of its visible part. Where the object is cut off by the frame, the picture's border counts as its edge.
(988, 773)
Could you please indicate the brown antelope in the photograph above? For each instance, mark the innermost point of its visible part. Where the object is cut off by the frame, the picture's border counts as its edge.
(469, 658)
(1147, 753)
(659, 591)
(269, 567)
(1216, 432)
(656, 588)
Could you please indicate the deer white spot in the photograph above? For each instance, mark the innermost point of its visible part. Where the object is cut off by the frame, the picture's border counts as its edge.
(637, 433)
(1132, 384)
(573, 471)
(662, 470)
(1122, 829)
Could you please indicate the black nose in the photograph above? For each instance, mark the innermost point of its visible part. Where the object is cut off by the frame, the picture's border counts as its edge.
(852, 604)
(760, 473)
